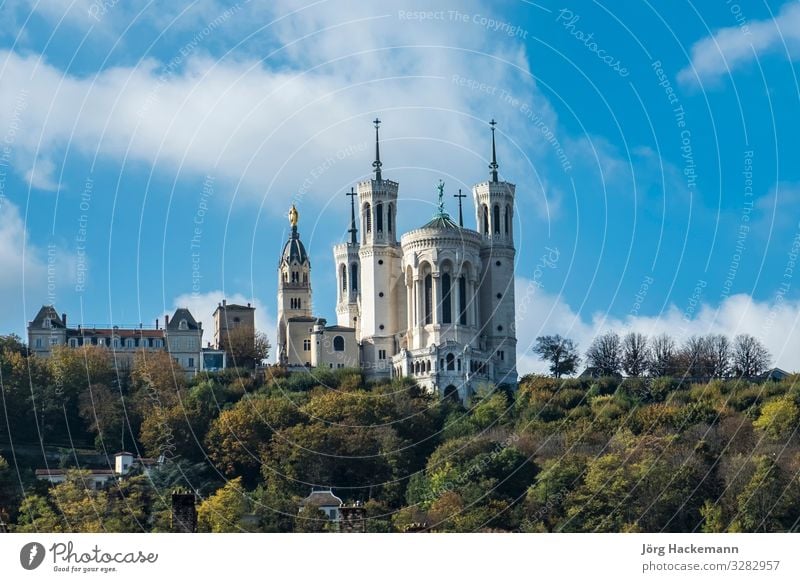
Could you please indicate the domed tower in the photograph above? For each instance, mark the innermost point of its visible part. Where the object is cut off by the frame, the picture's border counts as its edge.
(382, 293)
(494, 213)
(294, 284)
(345, 256)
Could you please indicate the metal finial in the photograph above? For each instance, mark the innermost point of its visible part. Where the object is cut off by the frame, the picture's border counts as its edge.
(440, 187)
(353, 230)
(460, 213)
(377, 163)
(493, 166)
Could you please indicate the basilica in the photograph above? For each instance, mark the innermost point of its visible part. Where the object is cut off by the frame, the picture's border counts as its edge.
(435, 304)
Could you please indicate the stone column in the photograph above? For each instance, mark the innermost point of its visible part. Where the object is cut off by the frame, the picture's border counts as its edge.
(436, 300)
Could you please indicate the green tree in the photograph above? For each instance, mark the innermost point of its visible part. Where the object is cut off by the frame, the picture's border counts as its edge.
(223, 511)
(561, 353)
(769, 502)
(779, 419)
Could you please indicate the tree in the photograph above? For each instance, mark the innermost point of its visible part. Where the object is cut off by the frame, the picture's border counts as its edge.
(779, 419)
(750, 357)
(719, 355)
(560, 352)
(769, 502)
(247, 348)
(694, 357)
(662, 356)
(604, 354)
(223, 511)
(635, 354)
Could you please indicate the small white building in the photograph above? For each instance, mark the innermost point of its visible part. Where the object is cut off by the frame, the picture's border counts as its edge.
(325, 500)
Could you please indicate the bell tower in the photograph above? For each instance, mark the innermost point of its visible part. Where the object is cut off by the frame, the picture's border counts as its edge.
(294, 283)
(382, 292)
(494, 209)
(348, 275)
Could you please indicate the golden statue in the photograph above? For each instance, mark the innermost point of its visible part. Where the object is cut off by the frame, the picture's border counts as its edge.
(293, 216)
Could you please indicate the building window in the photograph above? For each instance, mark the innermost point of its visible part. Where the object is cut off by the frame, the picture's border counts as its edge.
(338, 344)
(130, 342)
(158, 343)
(306, 345)
(507, 217)
(354, 277)
(367, 217)
(502, 355)
(451, 362)
(47, 323)
(38, 342)
(183, 325)
(428, 366)
(191, 362)
(381, 354)
(379, 216)
(295, 277)
(115, 342)
(459, 364)
(343, 276)
(496, 219)
(428, 299)
(462, 299)
(485, 219)
(73, 342)
(389, 217)
(53, 341)
(447, 302)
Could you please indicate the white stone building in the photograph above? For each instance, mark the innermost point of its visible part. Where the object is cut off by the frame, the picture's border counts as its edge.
(435, 304)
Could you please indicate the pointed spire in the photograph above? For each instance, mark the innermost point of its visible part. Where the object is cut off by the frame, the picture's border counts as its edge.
(493, 166)
(353, 230)
(377, 163)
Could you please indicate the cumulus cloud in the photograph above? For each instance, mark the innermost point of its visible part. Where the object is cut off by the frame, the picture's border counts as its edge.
(730, 48)
(776, 323)
(41, 177)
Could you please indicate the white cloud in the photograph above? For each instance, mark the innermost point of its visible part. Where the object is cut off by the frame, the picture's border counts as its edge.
(776, 324)
(202, 306)
(732, 47)
(40, 176)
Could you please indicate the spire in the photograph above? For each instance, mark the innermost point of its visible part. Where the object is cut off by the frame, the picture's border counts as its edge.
(493, 166)
(377, 163)
(353, 230)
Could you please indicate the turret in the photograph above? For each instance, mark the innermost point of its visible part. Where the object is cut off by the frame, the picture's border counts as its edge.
(294, 283)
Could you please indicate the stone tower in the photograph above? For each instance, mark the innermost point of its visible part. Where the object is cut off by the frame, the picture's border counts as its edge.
(494, 209)
(348, 271)
(380, 256)
(294, 284)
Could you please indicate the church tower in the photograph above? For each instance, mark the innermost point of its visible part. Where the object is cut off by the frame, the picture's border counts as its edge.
(348, 270)
(294, 285)
(494, 213)
(382, 292)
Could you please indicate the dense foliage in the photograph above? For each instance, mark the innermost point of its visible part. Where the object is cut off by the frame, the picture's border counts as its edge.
(593, 454)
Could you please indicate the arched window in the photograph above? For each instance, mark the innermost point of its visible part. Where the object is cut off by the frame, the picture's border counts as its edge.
(451, 392)
(428, 299)
(485, 219)
(459, 364)
(367, 218)
(462, 299)
(389, 217)
(416, 367)
(379, 216)
(428, 366)
(338, 344)
(299, 303)
(183, 325)
(447, 302)
(496, 218)
(451, 362)
(507, 217)
(354, 277)
(343, 276)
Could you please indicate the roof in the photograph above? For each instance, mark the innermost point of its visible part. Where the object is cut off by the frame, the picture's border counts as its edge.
(441, 221)
(294, 250)
(133, 332)
(339, 328)
(47, 311)
(180, 314)
(323, 498)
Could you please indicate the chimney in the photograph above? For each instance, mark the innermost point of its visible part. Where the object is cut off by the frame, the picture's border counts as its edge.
(156, 323)
(224, 302)
(166, 320)
(184, 512)
(64, 319)
(248, 305)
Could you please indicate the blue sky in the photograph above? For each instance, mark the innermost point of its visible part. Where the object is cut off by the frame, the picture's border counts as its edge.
(653, 147)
